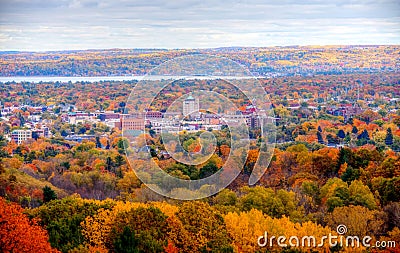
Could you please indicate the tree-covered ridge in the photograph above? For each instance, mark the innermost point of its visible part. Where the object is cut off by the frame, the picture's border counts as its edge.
(228, 222)
(287, 61)
(305, 190)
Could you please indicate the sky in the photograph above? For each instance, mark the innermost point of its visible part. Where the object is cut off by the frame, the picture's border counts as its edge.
(45, 25)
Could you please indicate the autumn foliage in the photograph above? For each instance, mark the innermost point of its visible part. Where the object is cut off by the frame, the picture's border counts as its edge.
(18, 233)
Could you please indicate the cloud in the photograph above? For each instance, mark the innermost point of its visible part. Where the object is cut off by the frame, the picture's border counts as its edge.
(82, 24)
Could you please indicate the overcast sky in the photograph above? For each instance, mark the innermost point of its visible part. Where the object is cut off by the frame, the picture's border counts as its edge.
(94, 24)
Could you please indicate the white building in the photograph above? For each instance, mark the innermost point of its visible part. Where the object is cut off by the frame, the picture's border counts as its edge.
(112, 123)
(43, 131)
(190, 105)
(20, 135)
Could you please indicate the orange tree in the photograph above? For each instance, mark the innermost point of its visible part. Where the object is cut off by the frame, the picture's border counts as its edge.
(20, 234)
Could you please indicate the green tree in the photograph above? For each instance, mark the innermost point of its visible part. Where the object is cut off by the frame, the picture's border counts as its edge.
(98, 143)
(350, 174)
(64, 133)
(388, 189)
(345, 156)
(311, 189)
(122, 144)
(109, 163)
(2, 169)
(226, 198)
(119, 160)
(336, 193)
(333, 193)
(208, 169)
(126, 242)
(331, 139)
(341, 134)
(334, 202)
(320, 138)
(149, 226)
(389, 137)
(364, 135)
(3, 141)
(48, 194)
(266, 200)
(361, 195)
(62, 219)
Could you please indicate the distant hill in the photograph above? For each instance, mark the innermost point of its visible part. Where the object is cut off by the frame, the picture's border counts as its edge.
(20, 187)
(266, 61)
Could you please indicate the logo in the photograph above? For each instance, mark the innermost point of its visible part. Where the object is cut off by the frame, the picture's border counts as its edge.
(341, 229)
(330, 240)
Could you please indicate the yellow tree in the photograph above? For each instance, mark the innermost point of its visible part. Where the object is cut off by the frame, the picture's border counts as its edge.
(360, 221)
(247, 228)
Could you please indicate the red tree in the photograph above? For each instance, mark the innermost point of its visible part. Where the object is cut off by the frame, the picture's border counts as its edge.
(18, 233)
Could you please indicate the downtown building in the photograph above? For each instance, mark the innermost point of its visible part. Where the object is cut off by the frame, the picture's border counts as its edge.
(20, 136)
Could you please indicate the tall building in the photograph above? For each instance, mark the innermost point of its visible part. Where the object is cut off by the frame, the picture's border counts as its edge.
(20, 135)
(190, 105)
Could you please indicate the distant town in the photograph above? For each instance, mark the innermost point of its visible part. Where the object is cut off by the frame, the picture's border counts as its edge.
(190, 118)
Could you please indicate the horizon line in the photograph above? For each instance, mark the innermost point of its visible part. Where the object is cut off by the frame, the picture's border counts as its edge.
(189, 48)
